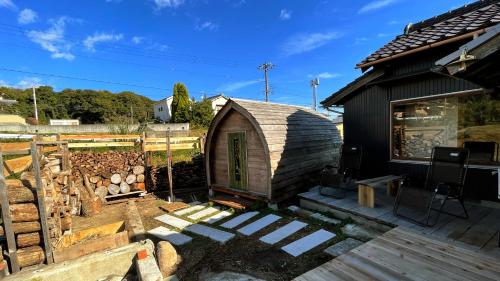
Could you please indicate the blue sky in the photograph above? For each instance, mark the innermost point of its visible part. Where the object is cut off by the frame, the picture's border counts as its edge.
(211, 46)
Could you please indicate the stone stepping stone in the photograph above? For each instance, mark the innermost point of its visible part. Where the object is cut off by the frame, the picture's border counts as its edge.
(343, 247)
(217, 217)
(212, 233)
(203, 213)
(190, 210)
(283, 232)
(324, 218)
(174, 221)
(171, 236)
(234, 222)
(305, 244)
(258, 224)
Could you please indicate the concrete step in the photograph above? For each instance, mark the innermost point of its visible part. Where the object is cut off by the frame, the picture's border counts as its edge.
(305, 244)
(217, 217)
(258, 224)
(190, 210)
(171, 236)
(283, 232)
(234, 222)
(209, 232)
(203, 213)
(174, 221)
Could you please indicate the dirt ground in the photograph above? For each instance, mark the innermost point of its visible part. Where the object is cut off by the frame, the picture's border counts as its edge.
(241, 254)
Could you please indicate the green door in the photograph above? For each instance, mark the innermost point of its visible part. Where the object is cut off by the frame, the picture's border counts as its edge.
(237, 157)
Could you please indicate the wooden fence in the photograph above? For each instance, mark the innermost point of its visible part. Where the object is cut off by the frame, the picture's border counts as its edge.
(142, 142)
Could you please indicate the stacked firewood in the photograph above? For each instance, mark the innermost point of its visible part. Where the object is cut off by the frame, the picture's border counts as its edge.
(58, 190)
(110, 173)
(186, 176)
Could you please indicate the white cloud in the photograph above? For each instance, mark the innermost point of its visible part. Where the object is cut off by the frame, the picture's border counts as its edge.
(8, 4)
(53, 39)
(393, 22)
(160, 4)
(137, 39)
(360, 40)
(157, 47)
(91, 41)
(24, 83)
(206, 25)
(285, 14)
(375, 5)
(302, 43)
(27, 16)
(233, 86)
(324, 75)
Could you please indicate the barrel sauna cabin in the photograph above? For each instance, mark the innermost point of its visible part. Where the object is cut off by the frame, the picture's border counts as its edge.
(267, 151)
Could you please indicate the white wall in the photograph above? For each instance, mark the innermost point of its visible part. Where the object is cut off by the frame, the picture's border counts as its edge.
(218, 103)
(162, 110)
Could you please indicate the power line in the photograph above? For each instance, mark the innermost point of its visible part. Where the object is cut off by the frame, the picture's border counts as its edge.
(266, 67)
(83, 79)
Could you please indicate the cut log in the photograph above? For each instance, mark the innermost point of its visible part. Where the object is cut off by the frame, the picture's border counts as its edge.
(167, 258)
(116, 179)
(130, 179)
(124, 188)
(26, 227)
(113, 189)
(88, 186)
(66, 223)
(20, 195)
(30, 256)
(140, 186)
(140, 178)
(24, 212)
(101, 192)
(94, 179)
(91, 206)
(28, 239)
(137, 170)
(14, 183)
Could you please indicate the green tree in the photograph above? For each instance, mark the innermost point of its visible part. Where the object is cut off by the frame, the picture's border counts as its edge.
(181, 106)
(202, 113)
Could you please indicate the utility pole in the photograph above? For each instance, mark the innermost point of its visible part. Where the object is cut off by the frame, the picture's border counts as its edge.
(131, 115)
(266, 67)
(314, 85)
(34, 103)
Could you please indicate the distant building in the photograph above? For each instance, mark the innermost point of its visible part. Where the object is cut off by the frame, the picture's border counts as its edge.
(339, 123)
(163, 109)
(11, 119)
(64, 122)
(218, 102)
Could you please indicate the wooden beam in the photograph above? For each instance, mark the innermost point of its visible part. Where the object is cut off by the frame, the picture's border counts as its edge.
(7, 222)
(101, 137)
(163, 147)
(99, 144)
(16, 165)
(41, 203)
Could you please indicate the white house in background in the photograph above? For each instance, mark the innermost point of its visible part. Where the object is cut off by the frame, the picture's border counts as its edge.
(163, 108)
(218, 102)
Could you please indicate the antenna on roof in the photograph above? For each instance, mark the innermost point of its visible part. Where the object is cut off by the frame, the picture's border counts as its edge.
(408, 28)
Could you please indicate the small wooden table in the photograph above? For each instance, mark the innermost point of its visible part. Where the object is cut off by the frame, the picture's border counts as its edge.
(366, 192)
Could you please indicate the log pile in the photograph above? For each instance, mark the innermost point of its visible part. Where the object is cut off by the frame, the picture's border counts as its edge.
(110, 173)
(61, 200)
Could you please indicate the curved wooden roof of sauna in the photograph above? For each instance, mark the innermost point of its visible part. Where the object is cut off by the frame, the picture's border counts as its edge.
(275, 123)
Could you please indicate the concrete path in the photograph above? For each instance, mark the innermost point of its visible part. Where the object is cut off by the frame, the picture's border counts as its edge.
(171, 236)
(203, 213)
(307, 243)
(174, 221)
(212, 233)
(239, 220)
(283, 232)
(217, 217)
(258, 224)
(190, 210)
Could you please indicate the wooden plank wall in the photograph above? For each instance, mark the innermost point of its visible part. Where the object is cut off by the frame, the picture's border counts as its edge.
(257, 172)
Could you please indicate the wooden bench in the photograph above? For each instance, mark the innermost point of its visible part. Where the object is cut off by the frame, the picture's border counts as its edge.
(366, 192)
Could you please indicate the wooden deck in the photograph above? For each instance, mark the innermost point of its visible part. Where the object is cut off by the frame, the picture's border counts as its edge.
(404, 255)
(478, 233)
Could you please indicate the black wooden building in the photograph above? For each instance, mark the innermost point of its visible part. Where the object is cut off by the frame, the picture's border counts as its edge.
(437, 84)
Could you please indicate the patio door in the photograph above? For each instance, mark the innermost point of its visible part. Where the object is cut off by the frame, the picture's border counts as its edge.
(237, 160)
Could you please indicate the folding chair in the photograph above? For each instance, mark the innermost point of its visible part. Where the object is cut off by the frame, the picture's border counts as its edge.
(444, 182)
(341, 179)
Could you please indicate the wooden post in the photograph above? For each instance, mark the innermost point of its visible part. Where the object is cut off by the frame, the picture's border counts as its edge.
(41, 203)
(202, 143)
(143, 142)
(7, 221)
(169, 168)
(65, 157)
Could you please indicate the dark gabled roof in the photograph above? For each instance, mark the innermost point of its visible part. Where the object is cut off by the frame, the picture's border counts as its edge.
(468, 19)
(337, 97)
(217, 96)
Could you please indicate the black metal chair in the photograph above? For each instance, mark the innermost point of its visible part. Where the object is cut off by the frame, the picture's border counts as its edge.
(444, 182)
(341, 178)
(482, 151)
